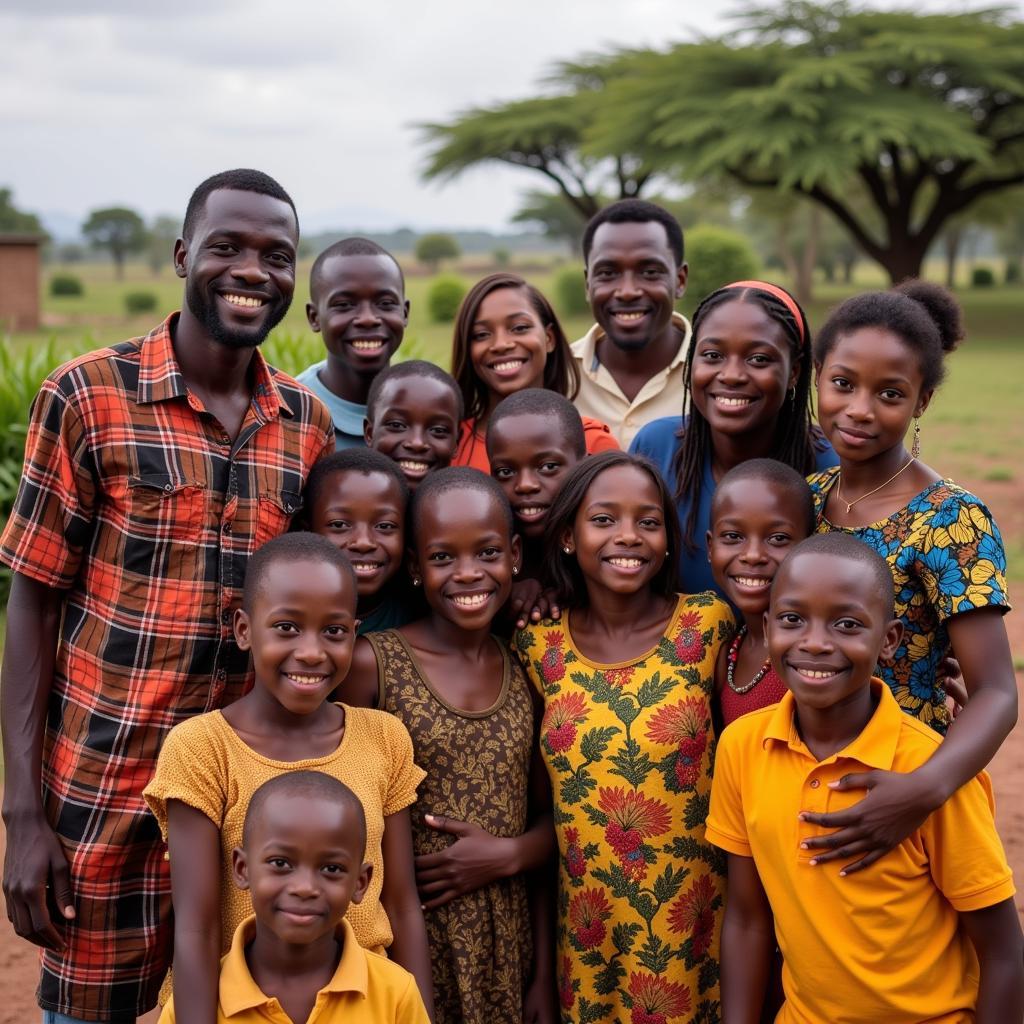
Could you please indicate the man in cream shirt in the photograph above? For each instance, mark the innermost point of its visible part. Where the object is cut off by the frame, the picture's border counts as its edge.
(631, 360)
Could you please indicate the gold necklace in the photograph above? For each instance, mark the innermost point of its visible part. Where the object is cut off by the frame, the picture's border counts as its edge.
(849, 504)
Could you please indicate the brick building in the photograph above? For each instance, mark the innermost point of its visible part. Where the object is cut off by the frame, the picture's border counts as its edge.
(19, 282)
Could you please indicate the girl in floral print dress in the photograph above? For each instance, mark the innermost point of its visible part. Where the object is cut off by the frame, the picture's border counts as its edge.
(628, 742)
(878, 359)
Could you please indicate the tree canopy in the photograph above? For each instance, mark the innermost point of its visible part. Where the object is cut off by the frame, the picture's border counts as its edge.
(118, 230)
(17, 222)
(893, 121)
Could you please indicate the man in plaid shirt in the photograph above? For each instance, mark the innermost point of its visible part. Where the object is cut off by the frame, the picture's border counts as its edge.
(153, 469)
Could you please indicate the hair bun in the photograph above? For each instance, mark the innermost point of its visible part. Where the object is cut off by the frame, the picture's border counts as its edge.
(941, 307)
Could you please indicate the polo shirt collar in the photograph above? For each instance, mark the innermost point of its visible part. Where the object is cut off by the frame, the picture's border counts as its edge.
(588, 352)
(239, 992)
(875, 747)
(161, 379)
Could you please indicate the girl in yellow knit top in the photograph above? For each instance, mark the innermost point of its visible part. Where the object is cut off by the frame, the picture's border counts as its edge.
(298, 620)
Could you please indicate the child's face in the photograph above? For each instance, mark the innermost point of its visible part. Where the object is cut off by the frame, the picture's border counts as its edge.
(754, 527)
(300, 629)
(827, 628)
(529, 461)
(465, 556)
(869, 388)
(359, 306)
(303, 866)
(363, 514)
(416, 423)
(742, 369)
(619, 535)
(509, 345)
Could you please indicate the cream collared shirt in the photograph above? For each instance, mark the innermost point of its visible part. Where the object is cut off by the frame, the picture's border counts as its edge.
(601, 397)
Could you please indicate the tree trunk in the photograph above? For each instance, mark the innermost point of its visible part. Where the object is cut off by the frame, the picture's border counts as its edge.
(848, 265)
(805, 270)
(118, 263)
(952, 240)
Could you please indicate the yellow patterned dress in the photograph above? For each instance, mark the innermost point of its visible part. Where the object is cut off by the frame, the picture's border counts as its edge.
(629, 749)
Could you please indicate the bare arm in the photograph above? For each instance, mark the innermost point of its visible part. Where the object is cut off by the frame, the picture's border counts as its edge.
(747, 942)
(34, 858)
(402, 905)
(996, 935)
(360, 688)
(897, 804)
(194, 844)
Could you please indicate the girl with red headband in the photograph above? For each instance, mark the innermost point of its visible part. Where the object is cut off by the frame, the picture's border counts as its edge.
(747, 388)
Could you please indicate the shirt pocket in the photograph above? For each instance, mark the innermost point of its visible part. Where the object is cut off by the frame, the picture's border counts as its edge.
(162, 507)
(274, 512)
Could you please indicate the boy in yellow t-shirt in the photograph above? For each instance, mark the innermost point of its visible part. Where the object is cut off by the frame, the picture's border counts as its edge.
(297, 959)
(927, 933)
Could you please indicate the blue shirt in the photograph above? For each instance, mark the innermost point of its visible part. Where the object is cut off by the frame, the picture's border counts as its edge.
(348, 416)
(659, 443)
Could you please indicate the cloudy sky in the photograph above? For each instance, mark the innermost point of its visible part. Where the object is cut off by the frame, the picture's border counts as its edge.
(132, 102)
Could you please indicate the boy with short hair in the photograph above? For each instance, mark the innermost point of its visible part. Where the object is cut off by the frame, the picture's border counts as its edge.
(413, 413)
(297, 958)
(929, 932)
(357, 302)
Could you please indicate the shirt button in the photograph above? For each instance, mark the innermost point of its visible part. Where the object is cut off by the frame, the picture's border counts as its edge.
(225, 617)
(221, 675)
(168, 488)
(227, 527)
(815, 783)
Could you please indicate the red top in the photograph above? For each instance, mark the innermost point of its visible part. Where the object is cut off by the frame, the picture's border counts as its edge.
(472, 449)
(770, 690)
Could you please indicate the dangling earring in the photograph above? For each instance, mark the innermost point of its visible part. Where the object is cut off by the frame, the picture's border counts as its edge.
(915, 447)
(515, 570)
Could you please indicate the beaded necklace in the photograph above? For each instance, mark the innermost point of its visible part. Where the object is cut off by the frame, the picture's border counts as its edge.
(732, 657)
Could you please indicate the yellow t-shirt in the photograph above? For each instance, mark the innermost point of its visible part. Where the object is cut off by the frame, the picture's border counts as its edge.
(366, 989)
(205, 764)
(882, 944)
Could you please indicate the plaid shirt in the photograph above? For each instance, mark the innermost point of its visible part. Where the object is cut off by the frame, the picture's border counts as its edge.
(136, 502)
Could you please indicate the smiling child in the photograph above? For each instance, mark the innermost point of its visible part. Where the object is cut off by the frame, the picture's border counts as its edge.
(931, 933)
(301, 861)
(412, 416)
(357, 302)
(357, 499)
(298, 621)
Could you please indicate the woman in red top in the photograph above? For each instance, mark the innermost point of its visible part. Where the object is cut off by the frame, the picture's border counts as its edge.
(507, 338)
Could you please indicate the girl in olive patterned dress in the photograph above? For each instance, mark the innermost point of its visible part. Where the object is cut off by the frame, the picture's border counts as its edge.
(628, 741)
(469, 710)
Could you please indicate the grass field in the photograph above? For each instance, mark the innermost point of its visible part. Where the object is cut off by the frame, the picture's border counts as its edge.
(974, 431)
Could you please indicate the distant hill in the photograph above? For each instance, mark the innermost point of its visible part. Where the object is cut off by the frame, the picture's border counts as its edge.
(403, 240)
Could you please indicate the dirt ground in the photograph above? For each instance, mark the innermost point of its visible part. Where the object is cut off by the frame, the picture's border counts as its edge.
(18, 960)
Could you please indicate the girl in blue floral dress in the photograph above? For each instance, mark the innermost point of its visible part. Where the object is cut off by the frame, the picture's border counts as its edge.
(879, 359)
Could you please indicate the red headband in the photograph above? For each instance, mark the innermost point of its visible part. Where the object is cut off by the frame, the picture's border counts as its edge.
(782, 295)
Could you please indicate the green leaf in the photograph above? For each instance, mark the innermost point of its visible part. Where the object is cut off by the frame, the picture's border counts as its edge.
(595, 741)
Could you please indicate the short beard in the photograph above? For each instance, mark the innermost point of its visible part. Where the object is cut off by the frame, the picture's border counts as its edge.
(207, 315)
(630, 344)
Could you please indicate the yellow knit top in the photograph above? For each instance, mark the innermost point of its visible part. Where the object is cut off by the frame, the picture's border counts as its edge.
(205, 764)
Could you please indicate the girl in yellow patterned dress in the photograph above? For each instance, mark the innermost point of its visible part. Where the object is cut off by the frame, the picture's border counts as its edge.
(628, 742)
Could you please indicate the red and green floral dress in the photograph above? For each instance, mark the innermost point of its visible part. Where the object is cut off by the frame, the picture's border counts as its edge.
(629, 749)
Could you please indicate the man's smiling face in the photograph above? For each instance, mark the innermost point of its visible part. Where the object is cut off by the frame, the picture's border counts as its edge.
(239, 266)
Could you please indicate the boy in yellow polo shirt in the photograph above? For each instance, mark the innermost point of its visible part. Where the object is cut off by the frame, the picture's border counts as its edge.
(297, 961)
(929, 932)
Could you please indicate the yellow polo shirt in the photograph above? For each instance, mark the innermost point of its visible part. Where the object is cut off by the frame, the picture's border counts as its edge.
(882, 944)
(367, 988)
(602, 399)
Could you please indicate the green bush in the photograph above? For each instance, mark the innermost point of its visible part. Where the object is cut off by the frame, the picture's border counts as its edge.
(571, 293)
(501, 256)
(140, 302)
(716, 256)
(1012, 274)
(982, 277)
(65, 285)
(444, 297)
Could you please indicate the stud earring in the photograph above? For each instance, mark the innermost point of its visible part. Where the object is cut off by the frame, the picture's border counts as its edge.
(415, 581)
(567, 549)
(515, 570)
(915, 447)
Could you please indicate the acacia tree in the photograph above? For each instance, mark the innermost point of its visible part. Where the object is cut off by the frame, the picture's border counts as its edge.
(544, 134)
(118, 230)
(922, 114)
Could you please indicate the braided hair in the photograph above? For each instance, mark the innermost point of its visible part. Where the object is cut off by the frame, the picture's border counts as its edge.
(795, 436)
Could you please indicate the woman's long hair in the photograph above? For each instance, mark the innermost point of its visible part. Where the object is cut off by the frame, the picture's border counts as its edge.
(561, 374)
